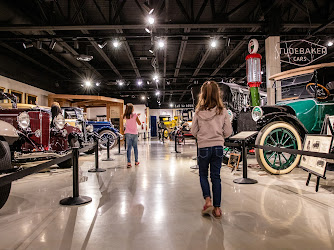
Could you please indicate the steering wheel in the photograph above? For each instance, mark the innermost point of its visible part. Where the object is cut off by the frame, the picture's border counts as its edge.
(322, 92)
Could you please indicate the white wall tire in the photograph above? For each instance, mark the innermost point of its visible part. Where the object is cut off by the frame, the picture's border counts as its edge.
(278, 129)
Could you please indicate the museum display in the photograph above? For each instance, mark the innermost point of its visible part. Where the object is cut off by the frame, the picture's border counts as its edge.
(104, 129)
(300, 111)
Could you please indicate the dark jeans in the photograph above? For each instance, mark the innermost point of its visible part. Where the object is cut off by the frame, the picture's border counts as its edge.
(212, 156)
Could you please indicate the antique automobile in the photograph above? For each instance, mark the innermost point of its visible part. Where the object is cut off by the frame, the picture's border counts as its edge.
(37, 138)
(27, 135)
(104, 129)
(307, 96)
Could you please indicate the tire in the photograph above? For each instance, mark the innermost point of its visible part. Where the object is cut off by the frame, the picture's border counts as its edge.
(5, 163)
(280, 134)
(104, 134)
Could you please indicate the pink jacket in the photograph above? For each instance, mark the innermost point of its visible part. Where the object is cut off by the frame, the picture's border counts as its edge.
(211, 129)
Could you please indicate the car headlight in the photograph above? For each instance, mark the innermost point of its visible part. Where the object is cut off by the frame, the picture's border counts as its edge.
(257, 113)
(59, 121)
(230, 114)
(89, 128)
(23, 120)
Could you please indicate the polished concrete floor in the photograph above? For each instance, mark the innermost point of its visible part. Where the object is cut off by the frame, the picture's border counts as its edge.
(157, 205)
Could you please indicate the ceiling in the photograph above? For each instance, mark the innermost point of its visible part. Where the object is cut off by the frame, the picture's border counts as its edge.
(78, 27)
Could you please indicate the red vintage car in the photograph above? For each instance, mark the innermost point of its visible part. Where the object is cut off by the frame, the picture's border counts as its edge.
(37, 137)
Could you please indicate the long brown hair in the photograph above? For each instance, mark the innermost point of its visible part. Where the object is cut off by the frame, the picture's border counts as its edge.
(128, 111)
(210, 97)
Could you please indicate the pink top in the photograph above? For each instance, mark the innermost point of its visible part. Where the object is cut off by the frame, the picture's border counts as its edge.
(131, 125)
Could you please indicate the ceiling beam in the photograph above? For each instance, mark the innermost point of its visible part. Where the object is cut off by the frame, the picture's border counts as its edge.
(200, 12)
(23, 55)
(180, 54)
(232, 53)
(118, 11)
(299, 6)
(103, 54)
(237, 8)
(183, 10)
(129, 53)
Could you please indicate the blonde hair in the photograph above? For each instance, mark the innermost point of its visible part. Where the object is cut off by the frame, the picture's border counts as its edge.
(210, 97)
(128, 111)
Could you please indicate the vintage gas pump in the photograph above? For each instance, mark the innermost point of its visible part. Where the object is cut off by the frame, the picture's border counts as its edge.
(253, 69)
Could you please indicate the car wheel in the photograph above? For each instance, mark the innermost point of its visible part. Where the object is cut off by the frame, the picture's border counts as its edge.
(105, 134)
(280, 134)
(5, 163)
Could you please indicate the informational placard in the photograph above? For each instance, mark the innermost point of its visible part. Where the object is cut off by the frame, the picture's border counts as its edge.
(233, 161)
(243, 135)
(320, 144)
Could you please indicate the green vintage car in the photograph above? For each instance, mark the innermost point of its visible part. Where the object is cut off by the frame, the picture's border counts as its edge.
(307, 96)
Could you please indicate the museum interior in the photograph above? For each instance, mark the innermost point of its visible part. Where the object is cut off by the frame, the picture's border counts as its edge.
(166, 124)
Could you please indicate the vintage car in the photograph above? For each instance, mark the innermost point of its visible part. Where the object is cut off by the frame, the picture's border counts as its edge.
(104, 129)
(37, 138)
(307, 96)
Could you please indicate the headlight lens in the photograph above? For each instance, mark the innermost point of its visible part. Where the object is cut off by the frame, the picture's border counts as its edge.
(59, 121)
(230, 114)
(23, 120)
(257, 113)
(90, 128)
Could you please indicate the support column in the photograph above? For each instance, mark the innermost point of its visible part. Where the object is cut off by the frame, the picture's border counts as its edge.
(273, 66)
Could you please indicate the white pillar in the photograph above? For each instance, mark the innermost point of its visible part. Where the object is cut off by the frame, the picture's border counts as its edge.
(273, 66)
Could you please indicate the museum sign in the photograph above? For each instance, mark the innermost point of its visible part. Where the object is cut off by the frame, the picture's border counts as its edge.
(301, 52)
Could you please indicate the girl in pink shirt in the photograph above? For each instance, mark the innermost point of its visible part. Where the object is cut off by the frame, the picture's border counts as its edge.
(131, 132)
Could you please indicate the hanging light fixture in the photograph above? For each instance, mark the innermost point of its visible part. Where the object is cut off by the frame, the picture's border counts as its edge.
(52, 44)
(27, 45)
(102, 45)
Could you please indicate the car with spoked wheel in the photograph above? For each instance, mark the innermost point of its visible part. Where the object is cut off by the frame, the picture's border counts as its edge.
(306, 97)
(104, 129)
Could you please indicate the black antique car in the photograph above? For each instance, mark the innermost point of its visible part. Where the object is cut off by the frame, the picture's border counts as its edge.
(307, 96)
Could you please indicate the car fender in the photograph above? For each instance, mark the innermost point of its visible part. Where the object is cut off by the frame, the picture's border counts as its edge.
(280, 116)
(8, 132)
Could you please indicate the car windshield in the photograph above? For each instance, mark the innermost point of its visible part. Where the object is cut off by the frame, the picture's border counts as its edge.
(295, 87)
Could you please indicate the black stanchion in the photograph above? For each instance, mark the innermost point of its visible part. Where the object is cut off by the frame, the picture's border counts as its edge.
(196, 166)
(96, 169)
(175, 139)
(119, 146)
(244, 179)
(108, 152)
(76, 199)
(144, 135)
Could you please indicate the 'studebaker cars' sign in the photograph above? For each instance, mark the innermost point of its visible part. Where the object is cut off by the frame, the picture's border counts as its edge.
(300, 52)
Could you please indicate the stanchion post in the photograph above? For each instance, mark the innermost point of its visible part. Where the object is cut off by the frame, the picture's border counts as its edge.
(119, 145)
(76, 199)
(96, 169)
(196, 166)
(245, 179)
(108, 151)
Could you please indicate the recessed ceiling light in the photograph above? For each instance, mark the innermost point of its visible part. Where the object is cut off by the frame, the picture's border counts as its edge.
(171, 105)
(120, 83)
(157, 93)
(155, 77)
(139, 82)
(161, 44)
(97, 84)
(213, 44)
(115, 43)
(143, 97)
(88, 83)
(150, 20)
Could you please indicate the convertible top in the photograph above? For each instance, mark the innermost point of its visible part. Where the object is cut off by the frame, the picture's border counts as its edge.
(299, 71)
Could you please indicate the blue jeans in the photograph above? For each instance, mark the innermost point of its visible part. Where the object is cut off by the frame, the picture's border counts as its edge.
(132, 141)
(212, 156)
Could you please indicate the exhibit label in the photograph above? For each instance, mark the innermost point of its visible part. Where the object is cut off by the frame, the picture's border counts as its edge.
(300, 52)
